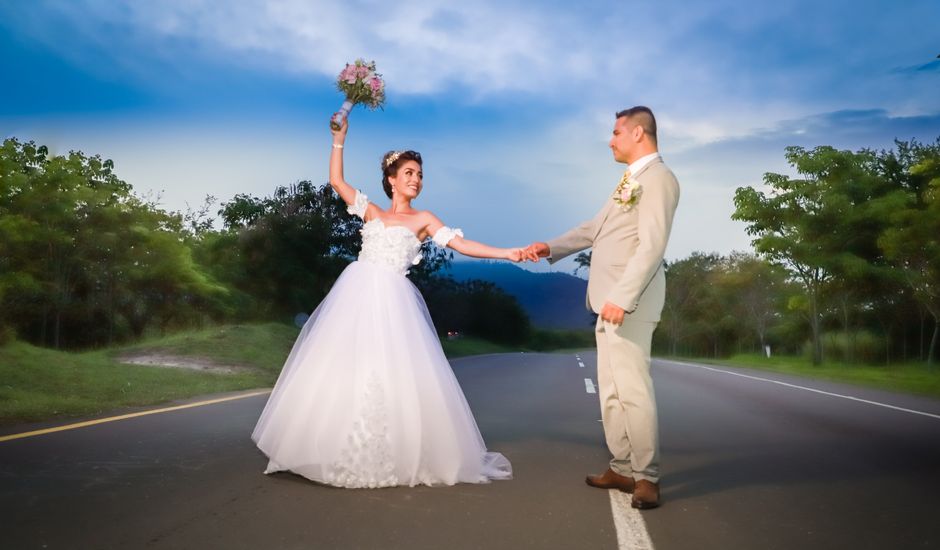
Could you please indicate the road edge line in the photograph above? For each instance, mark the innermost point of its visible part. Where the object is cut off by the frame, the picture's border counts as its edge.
(96, 421)
(814, 390)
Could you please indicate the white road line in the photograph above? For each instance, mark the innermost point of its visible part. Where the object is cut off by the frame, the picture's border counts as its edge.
(814, 390)
(628, 521)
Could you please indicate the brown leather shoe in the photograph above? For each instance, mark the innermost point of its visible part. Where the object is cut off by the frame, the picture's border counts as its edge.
(646, 495)
(611, 480)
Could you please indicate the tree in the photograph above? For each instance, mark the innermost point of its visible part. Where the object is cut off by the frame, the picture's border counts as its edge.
(686, 287)
(46, 204)
(757, 290)
(433, 260)
(78, 247)
(806, 224)
(583, 259)
(292, 245)
(475, 307)
(912, 242)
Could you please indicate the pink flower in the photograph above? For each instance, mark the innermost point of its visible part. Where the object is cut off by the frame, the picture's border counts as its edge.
(626, 194)
(375, 84)
(349, 74)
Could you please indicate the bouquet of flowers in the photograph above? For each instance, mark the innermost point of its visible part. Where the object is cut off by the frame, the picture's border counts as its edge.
(627, 194)
(362, 85)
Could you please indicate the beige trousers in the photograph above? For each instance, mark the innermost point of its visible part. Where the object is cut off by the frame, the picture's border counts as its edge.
(628, 404)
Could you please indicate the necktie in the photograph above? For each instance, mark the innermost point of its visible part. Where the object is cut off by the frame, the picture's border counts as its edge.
(623, 181)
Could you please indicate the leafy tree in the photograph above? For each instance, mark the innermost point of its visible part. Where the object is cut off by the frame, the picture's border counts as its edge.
(46, 204)
(583, 259)
(292, 245)
(433, 260)
(806, 224)
(477, 308)
(686, 288)
(495, 314)
(756, 293)
(78, 247)
(911, 242)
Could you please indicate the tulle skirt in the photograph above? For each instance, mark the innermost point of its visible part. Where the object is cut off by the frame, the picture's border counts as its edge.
(366, 397)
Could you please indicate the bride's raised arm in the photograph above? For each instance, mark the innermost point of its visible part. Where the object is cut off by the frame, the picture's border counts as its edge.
(453, 238)
(345, 191)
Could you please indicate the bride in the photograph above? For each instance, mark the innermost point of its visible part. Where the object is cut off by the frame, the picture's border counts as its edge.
(366, 397)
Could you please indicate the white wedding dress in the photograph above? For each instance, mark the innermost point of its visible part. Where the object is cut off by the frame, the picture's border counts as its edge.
(366, 397)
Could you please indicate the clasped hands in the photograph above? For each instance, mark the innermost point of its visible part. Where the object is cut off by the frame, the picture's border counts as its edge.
(532, 253)
(612, 313)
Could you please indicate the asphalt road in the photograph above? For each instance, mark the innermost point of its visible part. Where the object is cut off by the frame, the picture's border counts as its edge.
(747, 463)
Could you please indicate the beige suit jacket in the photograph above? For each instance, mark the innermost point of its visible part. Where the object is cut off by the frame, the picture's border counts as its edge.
(628, 247)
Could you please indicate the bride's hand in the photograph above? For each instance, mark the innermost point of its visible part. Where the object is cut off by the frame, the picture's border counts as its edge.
(515, 255)
(339, 136)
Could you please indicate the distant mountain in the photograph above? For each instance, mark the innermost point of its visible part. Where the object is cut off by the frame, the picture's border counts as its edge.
(552, 300)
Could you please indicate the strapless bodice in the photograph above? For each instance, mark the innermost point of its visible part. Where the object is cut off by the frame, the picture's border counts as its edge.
(391, 246)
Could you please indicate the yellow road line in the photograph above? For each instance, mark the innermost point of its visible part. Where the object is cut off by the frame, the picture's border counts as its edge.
(126, 416)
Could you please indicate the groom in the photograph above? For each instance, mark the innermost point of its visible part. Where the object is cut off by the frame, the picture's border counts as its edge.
(627, 287)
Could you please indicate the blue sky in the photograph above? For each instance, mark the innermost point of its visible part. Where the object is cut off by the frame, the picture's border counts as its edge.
(510, 103)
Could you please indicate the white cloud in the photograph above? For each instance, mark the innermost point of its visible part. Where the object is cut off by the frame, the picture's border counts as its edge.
(720, 69)
(420, 46)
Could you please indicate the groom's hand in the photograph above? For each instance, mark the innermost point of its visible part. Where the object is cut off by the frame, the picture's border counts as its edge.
(612, 313)
(537, 250)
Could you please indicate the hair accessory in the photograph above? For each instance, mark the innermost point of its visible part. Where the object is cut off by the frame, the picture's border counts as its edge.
(392, 158)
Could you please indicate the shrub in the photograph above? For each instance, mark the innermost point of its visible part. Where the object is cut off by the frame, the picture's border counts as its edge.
(859, 347)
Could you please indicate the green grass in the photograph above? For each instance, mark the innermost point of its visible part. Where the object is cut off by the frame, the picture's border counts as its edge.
(913, 378)
(262, 346)
(41, 384)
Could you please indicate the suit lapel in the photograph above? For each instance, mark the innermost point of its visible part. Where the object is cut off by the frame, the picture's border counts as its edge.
(608, 208)
(657, 160)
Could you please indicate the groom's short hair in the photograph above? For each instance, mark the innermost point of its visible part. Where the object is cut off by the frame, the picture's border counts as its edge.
(643, 116)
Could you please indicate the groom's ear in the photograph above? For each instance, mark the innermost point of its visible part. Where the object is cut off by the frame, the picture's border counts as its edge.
(638, 132)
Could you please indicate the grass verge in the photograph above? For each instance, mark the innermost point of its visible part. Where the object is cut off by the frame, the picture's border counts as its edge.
(43, 384)
(913, 378)
(261, 346)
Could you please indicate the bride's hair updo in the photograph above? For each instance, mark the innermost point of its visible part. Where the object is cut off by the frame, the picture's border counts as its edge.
(391, 162)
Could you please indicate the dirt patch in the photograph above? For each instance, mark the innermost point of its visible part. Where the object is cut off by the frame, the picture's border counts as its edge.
(180, 362)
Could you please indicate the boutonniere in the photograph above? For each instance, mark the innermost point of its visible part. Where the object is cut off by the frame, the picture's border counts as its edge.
(627, 194)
